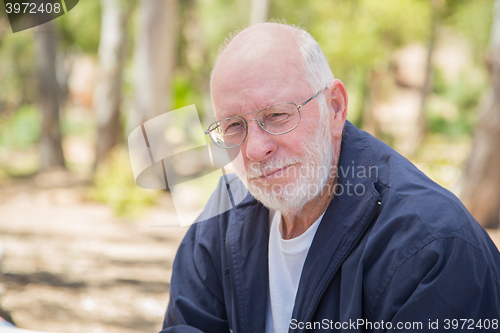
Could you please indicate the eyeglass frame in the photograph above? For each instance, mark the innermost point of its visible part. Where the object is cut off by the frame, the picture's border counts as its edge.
(261, 125)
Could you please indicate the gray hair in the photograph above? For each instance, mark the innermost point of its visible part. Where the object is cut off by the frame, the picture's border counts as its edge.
(316, 69)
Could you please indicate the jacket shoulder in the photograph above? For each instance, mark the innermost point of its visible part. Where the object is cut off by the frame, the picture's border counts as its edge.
(423, 229)
(409, 194)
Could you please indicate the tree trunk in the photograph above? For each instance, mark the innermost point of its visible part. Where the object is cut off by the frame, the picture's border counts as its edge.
(154, 59)
(371, 91)
(199, 62)
(427, 84)
(107, 94)
(480, 190)
(50, 146)
(260, 9)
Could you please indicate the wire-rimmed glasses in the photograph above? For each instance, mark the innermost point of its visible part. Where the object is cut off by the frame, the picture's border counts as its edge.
(276, 119)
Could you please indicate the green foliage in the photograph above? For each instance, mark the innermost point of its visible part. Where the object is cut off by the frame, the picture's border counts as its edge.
(357, 35)
(77, 125)
(217, 18)
(81, 26)
(203, 27)
(20, 129)
(473, 19)
(114, 185)
(17, 69)
(443, 157)
(462, 96)
(184, 91)
(464, 93)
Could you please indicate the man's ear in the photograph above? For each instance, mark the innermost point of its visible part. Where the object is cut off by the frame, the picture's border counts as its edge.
(337, 103)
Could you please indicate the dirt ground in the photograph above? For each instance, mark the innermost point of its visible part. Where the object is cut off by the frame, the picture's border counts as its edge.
(70, 266)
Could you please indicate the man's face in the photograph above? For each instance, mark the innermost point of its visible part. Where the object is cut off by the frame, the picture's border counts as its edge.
(282, 171)
(301, 174)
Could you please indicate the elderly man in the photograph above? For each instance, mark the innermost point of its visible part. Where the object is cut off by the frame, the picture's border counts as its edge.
(340, 233)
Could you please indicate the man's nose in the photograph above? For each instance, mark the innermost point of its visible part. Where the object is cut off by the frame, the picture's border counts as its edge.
(259, 144)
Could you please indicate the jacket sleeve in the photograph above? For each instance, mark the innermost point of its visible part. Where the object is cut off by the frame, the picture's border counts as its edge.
(196, 295)
(446, 279)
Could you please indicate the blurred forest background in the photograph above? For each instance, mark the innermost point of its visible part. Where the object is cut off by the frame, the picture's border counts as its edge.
(422, 75)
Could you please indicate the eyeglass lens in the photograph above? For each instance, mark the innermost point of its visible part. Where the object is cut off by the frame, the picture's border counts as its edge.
(276, 119)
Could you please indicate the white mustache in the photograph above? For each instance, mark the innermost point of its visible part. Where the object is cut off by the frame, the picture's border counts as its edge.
(258, 169)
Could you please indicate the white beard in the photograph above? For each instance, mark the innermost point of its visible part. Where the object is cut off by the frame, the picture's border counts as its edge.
(316, 162)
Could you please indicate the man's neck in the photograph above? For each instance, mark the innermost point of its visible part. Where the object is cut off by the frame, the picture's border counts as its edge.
(296, 223)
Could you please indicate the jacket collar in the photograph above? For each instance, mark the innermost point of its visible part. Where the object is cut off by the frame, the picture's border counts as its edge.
(247, 245)
(345, 220)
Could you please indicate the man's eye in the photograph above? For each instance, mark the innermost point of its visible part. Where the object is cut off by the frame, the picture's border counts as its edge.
(276, 116)
(232, 127)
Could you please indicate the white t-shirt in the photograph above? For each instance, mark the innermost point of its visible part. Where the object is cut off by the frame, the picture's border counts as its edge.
(286, 259)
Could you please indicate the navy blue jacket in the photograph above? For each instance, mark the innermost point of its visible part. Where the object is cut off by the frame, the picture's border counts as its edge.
(404, 250)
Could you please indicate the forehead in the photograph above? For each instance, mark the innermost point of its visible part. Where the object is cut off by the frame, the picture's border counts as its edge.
(243, 86)
(257, 72)
(235, 102)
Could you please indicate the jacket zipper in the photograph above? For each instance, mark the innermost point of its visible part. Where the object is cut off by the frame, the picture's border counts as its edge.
(230, 266)
(372, 215)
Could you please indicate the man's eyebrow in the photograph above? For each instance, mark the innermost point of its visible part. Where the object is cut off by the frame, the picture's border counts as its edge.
(231, 113)
(234, 113)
